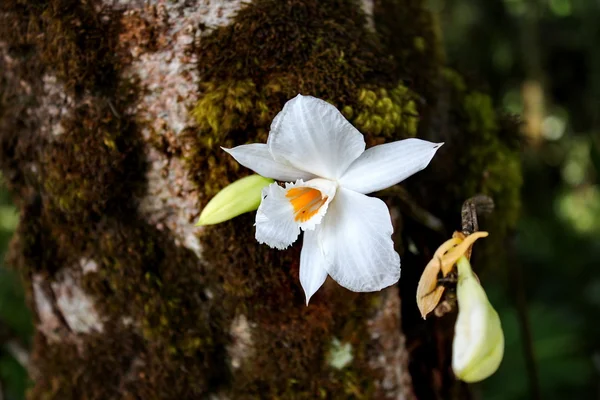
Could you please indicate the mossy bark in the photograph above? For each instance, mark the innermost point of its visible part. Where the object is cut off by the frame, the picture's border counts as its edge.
(112, 115)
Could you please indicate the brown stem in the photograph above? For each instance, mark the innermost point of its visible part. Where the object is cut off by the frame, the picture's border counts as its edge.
(478, 204)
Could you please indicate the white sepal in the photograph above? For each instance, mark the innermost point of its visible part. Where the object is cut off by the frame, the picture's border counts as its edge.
(388, 164)
(258, 158)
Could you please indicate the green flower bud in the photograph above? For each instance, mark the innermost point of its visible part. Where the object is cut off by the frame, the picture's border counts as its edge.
(478, 345)
(240, 197)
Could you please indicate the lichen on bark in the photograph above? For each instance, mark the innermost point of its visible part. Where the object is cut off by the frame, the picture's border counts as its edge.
(111, 122)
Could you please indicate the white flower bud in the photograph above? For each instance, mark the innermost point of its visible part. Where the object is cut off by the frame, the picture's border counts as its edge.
(478, 345)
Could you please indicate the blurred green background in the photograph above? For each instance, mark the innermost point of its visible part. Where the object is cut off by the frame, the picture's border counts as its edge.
(15, 319)
(540, 59)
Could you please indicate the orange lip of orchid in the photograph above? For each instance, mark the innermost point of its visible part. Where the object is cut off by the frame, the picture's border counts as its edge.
(306, 202)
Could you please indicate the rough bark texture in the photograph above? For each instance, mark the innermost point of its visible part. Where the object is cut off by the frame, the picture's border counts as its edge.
(111, 117)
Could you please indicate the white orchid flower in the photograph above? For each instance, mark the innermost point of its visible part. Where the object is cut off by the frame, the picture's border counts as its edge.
(347, 235)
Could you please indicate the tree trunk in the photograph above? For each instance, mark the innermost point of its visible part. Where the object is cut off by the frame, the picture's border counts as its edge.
(112, 114)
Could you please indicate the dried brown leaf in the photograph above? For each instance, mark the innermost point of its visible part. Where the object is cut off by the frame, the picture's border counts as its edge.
(428, 291)
(452, 256)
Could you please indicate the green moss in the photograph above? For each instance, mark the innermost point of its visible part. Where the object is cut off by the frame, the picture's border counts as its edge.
(383, 113)
(227, 106)
(73, 378)
(76, 41)
(94, 166)
(493, 168)
(420, 44)
(480, 113)
(487, 159)
(454, 80)
(146, 277)
(293, 342)
(410, 34)
(324, 42)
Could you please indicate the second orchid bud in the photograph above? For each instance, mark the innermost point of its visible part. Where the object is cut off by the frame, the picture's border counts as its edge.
(478, 345)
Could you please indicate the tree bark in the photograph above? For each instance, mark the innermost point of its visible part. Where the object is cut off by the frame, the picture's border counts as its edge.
(112, 114)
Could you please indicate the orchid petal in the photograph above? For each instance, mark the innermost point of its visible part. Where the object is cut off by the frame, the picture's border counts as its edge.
(313, 136)
(258, 158)
(275, 223)
(312, 265)
(385, 165)
(355, 237)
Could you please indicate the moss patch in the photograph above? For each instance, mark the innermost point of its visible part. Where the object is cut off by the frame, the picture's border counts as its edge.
(385, 114)
(310, 42)
(292, 344)
(490, 163)
(76, 41)
(163, 290)
(93, 167)
(73, 378)
(410, 34)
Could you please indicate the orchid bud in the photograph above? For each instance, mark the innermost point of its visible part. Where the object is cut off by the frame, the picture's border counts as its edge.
(241, 196)
(478, 344)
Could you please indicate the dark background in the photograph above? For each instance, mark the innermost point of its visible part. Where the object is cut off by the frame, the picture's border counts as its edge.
(539, 59)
